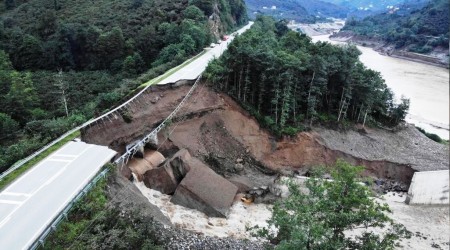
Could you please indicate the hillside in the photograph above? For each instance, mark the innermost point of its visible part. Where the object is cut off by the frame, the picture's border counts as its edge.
(299, 10)
(63, 62)
(311, 11)
(364, 8)
(421, 31)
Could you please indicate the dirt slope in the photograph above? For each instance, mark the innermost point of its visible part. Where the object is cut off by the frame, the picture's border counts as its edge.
(217, 130)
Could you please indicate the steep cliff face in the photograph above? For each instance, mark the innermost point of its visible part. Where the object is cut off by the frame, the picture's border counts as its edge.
(223, 15)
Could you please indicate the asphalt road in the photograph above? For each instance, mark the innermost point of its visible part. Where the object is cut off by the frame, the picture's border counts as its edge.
(30, 204)
(196, 67)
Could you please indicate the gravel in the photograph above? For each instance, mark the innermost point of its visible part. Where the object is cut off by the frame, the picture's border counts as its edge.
(406, 146)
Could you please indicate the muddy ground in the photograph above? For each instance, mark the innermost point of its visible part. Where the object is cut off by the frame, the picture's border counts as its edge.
(215, 129)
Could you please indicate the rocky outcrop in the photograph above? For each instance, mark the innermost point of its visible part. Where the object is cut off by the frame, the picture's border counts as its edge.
(206, 191)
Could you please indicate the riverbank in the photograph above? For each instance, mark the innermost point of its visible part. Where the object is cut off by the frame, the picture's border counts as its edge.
(438, 57)
(427, 86)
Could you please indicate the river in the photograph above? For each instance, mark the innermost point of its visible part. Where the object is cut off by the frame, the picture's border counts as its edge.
(426, 86)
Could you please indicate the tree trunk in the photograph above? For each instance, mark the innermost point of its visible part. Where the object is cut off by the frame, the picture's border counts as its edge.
(341, 105)
(309, 93)
(365, 116)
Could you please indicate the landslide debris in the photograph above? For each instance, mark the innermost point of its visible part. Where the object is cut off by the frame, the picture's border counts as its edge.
(216, 130)
(123, 195)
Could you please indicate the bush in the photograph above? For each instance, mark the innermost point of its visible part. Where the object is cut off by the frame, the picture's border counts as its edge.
(318, 218)
(433, 137)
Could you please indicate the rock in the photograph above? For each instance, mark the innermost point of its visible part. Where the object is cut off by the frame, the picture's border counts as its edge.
(238, 167)
(242, 183)
(258, 192)
(239, 160)
(155, 100)
(126, 172)
(160, 179)
(206, 191)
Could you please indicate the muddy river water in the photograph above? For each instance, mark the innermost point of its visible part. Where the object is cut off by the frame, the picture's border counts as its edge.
(426, 86)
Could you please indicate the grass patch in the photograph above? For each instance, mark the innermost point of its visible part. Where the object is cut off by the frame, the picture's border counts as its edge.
(171, 71)
(13, 175)
(95, 222)
(80, 216)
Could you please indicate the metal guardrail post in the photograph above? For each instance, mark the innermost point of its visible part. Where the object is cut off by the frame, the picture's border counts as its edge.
(63, 213)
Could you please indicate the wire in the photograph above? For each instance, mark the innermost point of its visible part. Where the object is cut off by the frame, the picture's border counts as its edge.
(183, 119)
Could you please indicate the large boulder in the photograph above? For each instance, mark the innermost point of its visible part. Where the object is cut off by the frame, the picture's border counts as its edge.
(206, 191)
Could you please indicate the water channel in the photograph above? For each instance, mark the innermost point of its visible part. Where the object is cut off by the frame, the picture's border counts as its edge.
(426, 86)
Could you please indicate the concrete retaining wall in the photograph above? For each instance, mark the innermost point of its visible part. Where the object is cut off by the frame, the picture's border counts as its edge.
(430, 188)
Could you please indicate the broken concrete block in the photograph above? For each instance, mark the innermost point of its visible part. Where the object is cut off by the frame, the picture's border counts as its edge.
(206, 191)
(152, 159)
(160, 179)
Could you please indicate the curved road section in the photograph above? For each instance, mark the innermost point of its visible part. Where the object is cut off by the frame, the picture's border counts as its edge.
(29, 205)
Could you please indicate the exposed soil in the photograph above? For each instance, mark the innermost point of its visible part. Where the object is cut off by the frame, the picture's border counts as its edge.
(215, 129)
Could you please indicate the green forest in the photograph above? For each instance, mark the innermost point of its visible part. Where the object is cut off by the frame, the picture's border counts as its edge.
(419, 31)
(286, 81)
(63, 62)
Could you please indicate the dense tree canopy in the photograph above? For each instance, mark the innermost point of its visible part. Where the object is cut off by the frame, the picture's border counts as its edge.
(99, 49)
(285, 79)
(420, 30)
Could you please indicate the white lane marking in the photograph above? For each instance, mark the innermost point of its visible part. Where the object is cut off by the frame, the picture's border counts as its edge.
(3, 222)
(41, 163)
(15, 194)
(69, 198)
(11, 202)
(45, 184)
(59, 160)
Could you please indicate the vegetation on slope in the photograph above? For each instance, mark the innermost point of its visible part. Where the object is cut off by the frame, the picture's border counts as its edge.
(94, 223)
(305, 11)
(286, 80)
(419, 31)
(338, 214)
(62, 62)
